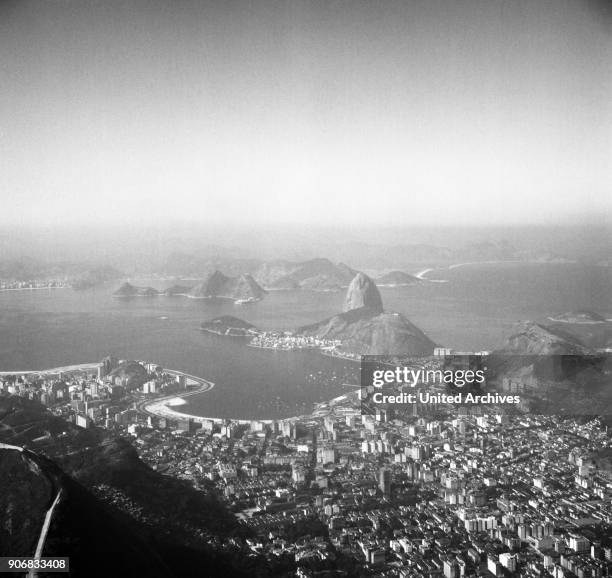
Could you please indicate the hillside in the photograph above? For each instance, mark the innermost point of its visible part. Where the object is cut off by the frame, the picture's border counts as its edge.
(109, 491)
(365, 332)
(131, 373)
(537, 339)
(590, 329)
(364, 328)
(229, 325)
(397, 279)
(558, 372)
(128, 290)
(81, 528)
(218, 285)
(316, 275)
(176, 290)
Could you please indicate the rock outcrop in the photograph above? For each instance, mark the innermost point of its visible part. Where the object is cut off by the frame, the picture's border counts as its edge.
(362, 292)
(365, 329)
(242, 288)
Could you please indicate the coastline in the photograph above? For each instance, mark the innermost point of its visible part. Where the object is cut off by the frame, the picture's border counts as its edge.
(160, 407)
(6, 290)
(164, 407)
(422, 274)
(63, 369)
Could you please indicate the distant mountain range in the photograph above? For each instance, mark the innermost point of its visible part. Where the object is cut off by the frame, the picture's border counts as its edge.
(326, 274)
(316, 275)
(413, 256)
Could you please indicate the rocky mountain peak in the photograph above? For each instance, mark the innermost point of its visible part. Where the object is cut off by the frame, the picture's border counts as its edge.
(362, 292)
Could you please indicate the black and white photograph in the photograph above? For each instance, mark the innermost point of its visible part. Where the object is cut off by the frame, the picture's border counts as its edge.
(306, 288)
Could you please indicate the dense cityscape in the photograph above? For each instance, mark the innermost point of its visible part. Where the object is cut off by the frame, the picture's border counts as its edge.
(382, 494)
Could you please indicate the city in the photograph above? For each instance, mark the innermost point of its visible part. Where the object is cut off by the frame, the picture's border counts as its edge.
(388, 495)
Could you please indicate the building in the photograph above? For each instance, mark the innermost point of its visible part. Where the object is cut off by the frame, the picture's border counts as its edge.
(384, 482)
(326, 455)
(508, 561)
(451, 569)
(83, 421)
(579, 543)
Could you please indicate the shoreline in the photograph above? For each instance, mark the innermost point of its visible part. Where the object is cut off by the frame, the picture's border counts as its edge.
(569, 322)
(62, 369)
(163, 407)
(6, 290)
(421, 274)
(159, 407)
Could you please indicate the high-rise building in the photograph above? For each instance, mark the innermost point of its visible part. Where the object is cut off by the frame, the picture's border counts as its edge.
(451, 569)
(384, 481)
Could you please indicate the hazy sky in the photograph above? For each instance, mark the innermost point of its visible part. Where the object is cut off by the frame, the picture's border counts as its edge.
(351, 112)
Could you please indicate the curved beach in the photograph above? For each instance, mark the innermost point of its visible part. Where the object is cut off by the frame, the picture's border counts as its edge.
(64, 369)
(164, 407)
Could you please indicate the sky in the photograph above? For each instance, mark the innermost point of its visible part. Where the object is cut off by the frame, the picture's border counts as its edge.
(347, 113)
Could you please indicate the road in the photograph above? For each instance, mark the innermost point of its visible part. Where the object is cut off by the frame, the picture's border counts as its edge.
(44, 531)
(40, 546)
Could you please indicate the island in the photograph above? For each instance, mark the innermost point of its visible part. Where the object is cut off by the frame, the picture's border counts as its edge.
(241, 289)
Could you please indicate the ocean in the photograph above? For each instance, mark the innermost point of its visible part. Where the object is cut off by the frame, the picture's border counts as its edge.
(473, 307)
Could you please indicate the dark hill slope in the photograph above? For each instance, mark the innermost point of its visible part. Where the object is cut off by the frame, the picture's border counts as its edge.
(96, 539)
(179, 522)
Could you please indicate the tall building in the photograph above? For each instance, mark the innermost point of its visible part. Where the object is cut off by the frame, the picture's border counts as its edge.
(384, 481)
(451, 569)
